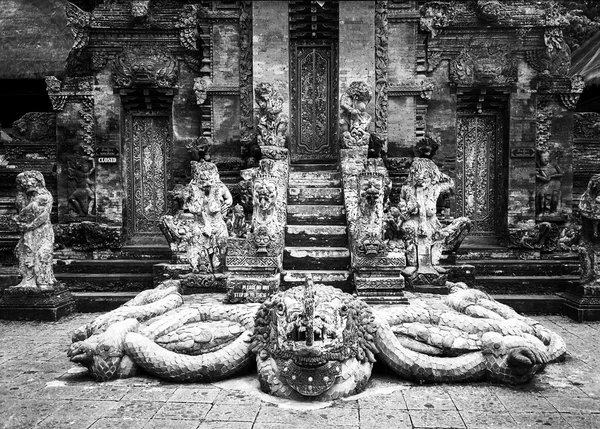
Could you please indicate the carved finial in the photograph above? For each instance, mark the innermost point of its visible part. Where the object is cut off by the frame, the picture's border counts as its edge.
(79, 21)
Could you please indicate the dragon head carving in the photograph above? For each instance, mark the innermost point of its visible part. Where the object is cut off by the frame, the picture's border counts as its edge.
(314, 342)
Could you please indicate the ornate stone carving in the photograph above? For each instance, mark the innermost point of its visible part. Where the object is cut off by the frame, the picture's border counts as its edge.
(245, 72)
(548, 178)
(570, 99)
(201, 85)
(555, 60)
(589, 207)
(434, 58)
(188, 27)
(34, 127)
(87, 236)
(140, 9)
(237, 225)
(81, 186)
(381, 65)
(79, 21)
(541, 236)
(367, 231)
(355, 122)
(35, 249)
(197, 233)
(267, 230)
(423, 234)
(315, 342)
(587, 125)
(427, 88)
(489, 64)
(53, 86)
(491, 10)
(271, 123)
(436, 15)
(145, 66)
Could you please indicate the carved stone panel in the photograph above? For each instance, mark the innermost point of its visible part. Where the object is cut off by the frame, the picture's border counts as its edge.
(479, 172)
(148, 153)
(312, 103)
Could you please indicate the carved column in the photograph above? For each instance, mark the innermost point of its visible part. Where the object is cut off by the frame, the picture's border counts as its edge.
(381, 65)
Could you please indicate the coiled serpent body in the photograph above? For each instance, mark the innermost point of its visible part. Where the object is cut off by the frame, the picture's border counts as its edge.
(315, 341)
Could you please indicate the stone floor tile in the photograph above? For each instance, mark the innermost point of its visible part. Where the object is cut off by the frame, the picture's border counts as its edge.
(436, 419)
(433, 398)
(487, 420)
(540, 420)
(483, 401)
(66, 421)
(392, 401)
(101, 392)
(184, 394)
(301, 425)
(171, 424)
(526, 403)
(582, 421)
(575, 405)
(335, 415)
(139, 409)
(377, 418)
(236, 397)
(227, 425)
(119, 423)
(156, 393)
(233, 412)
(183, 411)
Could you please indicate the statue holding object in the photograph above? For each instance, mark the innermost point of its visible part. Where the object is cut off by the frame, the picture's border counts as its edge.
(548, 179)
(35, 249)
(198, 233)
(424, 236)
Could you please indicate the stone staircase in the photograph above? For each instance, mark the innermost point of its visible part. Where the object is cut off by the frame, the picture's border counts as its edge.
(527, 281)
(316, 239)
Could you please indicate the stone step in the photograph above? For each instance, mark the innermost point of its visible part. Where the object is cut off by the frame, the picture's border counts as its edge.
(532, 304)
(316, 235)
(315, 196)
(313, 167)
(469, 252)
(316, 258)
(520, 267)
(525, 285)
(315, 183)
(92, 302)
(113, 266)
(119, 282)
(324, 214)
(341, 279)
(317, 174)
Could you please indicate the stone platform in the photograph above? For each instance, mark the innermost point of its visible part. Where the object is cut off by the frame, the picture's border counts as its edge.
(40, 388)
(34, 304)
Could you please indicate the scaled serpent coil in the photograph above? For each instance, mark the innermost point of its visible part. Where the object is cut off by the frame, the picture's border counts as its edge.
(315, 341)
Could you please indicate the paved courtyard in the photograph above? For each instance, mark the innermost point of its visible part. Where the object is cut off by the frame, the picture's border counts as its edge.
(40, 388)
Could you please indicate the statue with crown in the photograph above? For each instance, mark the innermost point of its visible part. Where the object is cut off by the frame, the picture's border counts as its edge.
(197, 232)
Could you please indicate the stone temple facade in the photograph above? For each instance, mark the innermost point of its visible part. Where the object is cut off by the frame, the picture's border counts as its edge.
(114, 102)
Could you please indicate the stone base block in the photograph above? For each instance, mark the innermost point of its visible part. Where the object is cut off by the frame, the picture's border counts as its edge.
(380, 290)
(426, 281)
(194, 283)
(164, 272)
(582, 302)
(33, 304)
(461, 273)
(255, 287)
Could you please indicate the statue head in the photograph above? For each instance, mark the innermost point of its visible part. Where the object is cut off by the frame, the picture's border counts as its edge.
(360, 94)
(268, 98)
(371, 189)
(199, 149)
(543, 157)
(205, 174)
(426, 148)
(30, 180)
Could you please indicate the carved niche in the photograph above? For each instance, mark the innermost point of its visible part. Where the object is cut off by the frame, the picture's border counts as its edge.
(145, 66)
(489, 64)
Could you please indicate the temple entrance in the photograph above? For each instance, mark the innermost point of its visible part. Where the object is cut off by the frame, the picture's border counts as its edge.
(313, 81)
(148, 173)
(479, 171)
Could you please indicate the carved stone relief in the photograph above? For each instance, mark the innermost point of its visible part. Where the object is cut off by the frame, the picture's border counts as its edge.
(381, 65)
(188, 27)
(490, 64)
(145, 66)
(541, 236)
(245, 72)
(355, 122)
(587, 125)
(368, 229)
(436, 15)
(82, 195)
(548, 179)
(271, 123)
(79, 21)
(589, 208)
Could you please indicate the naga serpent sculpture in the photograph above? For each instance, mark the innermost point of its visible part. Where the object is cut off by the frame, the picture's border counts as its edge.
(315, 341)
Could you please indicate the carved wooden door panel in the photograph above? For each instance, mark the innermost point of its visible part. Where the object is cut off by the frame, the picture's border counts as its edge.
(479, 181)
(313, 93)
(148, 152)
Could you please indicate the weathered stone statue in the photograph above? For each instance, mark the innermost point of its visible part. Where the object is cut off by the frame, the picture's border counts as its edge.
(315, 342)
(424, 236)
(82, 198)
(236, 225)
(266, 227)
(198, 232)
(355, 122)
(368, 228)
(548, 180)
(272, 123)
(36, 246)
(589, 208)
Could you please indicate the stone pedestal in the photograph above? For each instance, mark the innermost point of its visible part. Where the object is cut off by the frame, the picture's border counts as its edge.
(378, 279)
(582, 302)
(35, 304)
(426, 280)
(191, 283)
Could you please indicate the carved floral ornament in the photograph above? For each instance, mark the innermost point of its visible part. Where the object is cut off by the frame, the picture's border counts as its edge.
(145, 66)
(436, 15)
(485, 64)
(79, 21)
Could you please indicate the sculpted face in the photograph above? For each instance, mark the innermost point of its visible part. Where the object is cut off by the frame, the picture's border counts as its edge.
(265, 195)
(370, 191)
